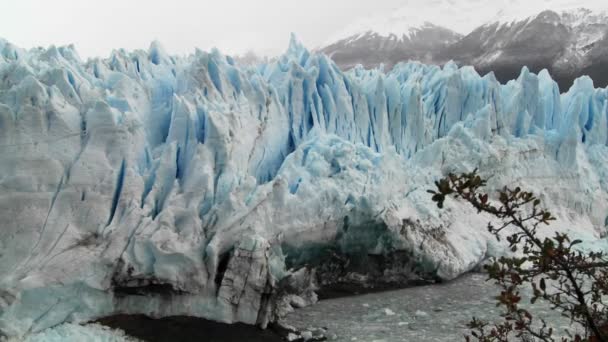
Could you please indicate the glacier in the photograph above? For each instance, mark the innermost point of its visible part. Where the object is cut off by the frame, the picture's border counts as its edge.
(146, 183)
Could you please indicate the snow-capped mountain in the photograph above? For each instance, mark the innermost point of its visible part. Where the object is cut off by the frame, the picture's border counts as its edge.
(567, 43)
(421, 43)
(413, 32)
(562, 36)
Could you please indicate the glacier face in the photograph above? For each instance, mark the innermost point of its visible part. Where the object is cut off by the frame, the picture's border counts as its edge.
(146, 183)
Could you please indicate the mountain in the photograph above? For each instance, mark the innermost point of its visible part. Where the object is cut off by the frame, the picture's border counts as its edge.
(568, 40)
(372, 49)
(412, 32)
(568, 44)
(390, 38)
(145, 183)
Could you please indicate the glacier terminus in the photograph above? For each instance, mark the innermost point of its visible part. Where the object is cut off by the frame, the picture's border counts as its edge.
(151, 184)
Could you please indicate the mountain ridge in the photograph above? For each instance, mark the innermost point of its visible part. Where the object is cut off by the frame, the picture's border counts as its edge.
(569, 43)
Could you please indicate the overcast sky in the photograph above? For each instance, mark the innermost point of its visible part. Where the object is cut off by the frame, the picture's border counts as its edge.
(234, 26)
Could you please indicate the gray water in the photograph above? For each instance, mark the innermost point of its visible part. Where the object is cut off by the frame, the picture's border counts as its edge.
(429, 313)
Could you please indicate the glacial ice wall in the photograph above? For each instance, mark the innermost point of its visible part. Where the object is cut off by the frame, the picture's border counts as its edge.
(146, 183)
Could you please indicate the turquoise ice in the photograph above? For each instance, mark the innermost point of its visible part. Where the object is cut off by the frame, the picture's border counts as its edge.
(210, 181)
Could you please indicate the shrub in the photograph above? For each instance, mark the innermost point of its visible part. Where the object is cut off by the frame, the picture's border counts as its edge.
(573, 282)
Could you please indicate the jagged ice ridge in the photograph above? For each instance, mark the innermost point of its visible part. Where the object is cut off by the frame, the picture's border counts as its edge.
(146, 183)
